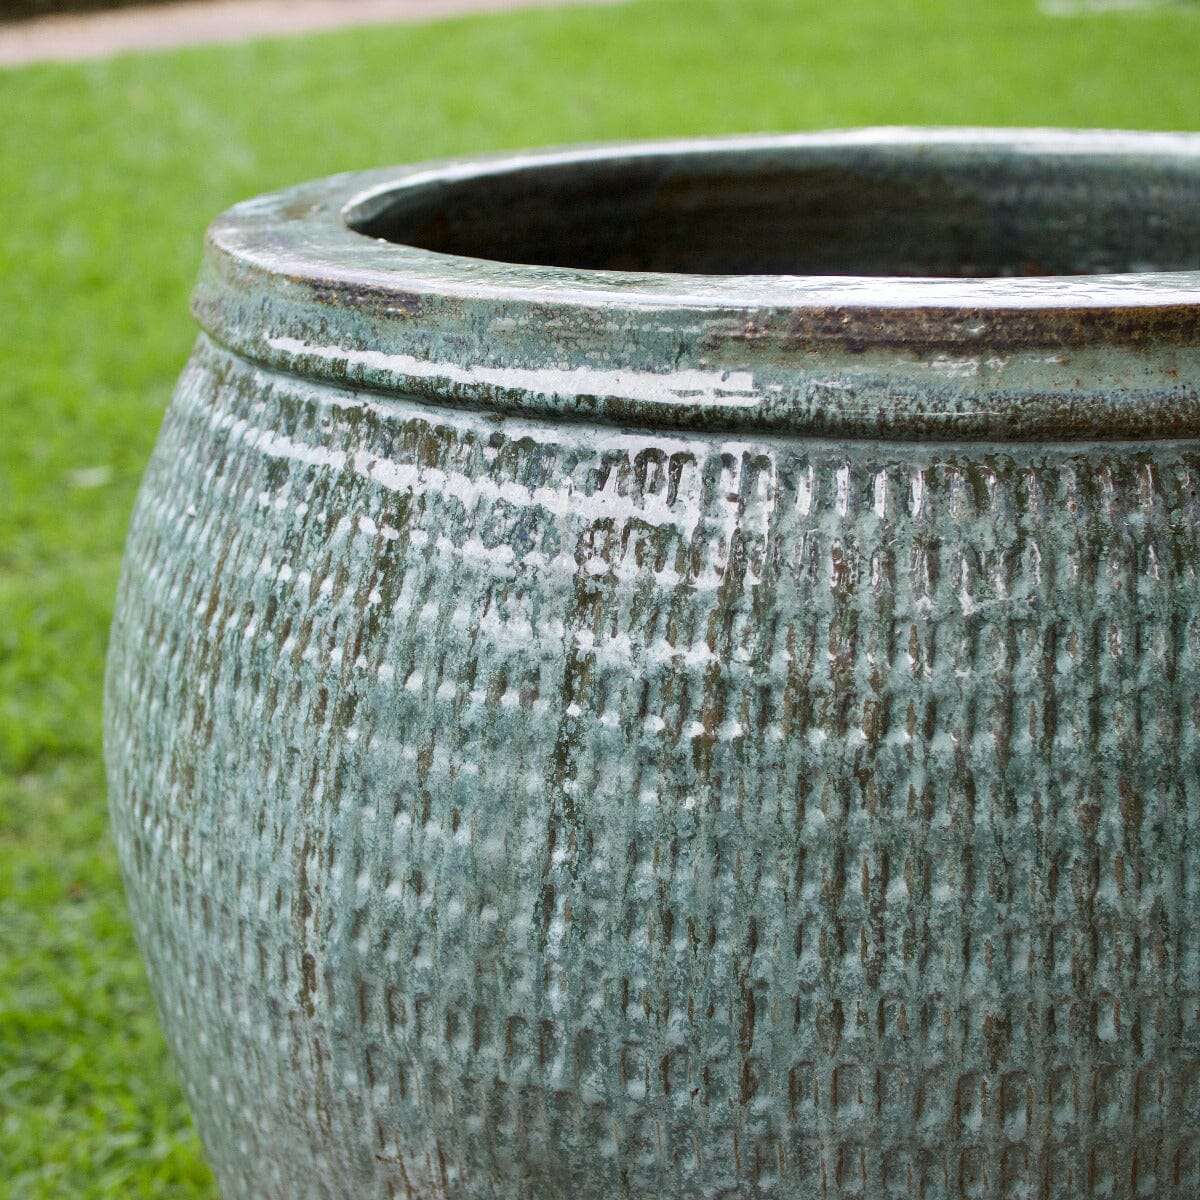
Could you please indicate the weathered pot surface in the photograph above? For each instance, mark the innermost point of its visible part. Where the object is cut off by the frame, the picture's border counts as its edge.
(672, 670)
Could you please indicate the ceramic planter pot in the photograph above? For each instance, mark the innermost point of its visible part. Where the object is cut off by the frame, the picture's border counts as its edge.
(673, 671)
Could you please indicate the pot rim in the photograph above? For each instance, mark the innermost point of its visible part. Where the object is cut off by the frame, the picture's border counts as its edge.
(287, 282)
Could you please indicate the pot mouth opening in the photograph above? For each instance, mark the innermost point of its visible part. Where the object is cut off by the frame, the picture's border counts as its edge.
(876, 211)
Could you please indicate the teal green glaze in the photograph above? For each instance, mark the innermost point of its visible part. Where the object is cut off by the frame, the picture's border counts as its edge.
(672, 671)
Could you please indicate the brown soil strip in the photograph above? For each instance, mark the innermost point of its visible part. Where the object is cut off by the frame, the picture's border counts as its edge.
(99, 35)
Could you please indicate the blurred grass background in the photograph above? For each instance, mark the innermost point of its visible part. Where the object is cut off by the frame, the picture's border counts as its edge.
(109, 173)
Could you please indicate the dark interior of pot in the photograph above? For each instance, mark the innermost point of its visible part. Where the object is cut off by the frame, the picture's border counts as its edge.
(884, 211)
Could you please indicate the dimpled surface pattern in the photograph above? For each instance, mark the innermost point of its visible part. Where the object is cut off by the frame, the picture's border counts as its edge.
(521, 808)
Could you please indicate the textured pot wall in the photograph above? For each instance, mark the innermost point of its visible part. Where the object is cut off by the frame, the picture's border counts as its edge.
(519, 808)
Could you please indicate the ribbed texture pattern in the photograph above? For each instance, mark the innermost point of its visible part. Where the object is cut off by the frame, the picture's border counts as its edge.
(544, 810)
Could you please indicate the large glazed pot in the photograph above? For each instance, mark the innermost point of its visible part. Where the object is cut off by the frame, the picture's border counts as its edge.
(674, 671)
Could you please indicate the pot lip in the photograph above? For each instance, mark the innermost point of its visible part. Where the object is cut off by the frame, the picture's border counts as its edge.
(288, 283)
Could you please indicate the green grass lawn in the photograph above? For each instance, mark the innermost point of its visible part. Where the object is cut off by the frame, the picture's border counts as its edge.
(108, 175)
